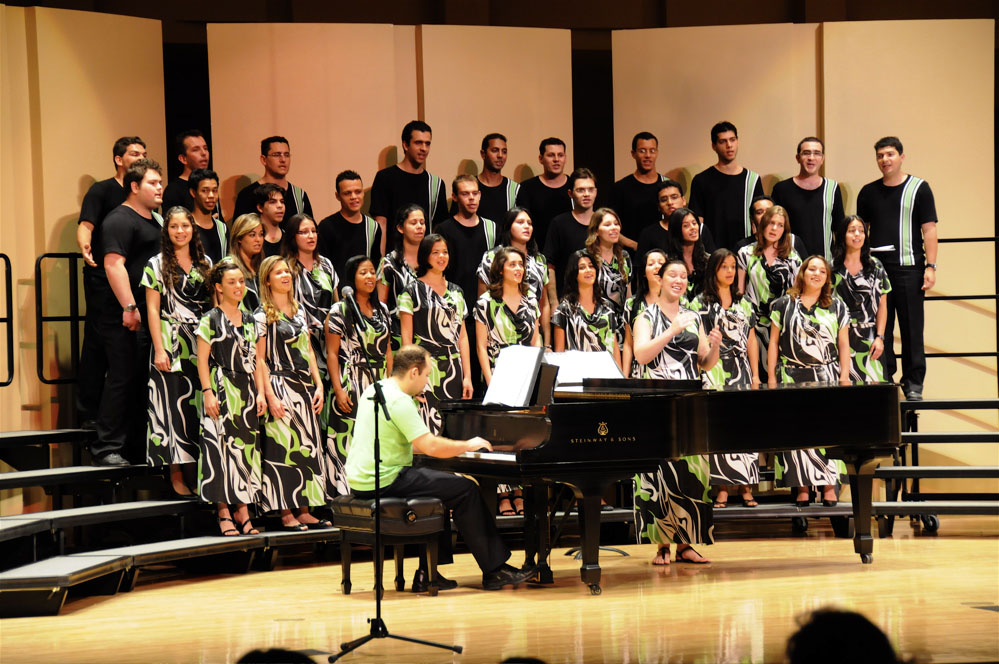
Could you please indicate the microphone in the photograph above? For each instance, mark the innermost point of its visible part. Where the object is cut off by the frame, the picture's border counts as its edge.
(348, 296)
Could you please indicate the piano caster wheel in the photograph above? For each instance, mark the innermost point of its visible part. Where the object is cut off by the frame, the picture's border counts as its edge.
(867, 558)
(595, 589)
(931, 523)
(799, 524)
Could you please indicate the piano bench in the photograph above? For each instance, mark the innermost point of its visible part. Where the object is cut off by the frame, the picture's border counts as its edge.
(403, 521)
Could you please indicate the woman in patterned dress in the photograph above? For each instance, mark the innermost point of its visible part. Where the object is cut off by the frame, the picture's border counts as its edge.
(518, 232)
(810, 328)
(722, 307)
(316, 288)
(176, 299)
(646, 292)
(292, 442)
(862, 283)
(505, 315)
(234, 400)
(346, 362)
(766, 270)
(686, 245)
(397, 270)
(584, 319)
(246, 249)
(672, 504)
(613, 263)
(432, 315)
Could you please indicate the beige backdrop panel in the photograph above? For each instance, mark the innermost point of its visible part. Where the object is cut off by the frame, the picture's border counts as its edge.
(68, 95)
(478, 80)
(332, 90)
(677, 82)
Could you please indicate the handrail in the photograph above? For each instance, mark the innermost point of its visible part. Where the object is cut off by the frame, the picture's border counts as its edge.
(74, 317)
(950, 404)
(8, 319)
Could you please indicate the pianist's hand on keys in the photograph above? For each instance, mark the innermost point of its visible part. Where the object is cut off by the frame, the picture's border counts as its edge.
(478, 443)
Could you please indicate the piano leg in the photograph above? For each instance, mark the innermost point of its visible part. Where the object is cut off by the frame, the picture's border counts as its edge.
(537, 530)
(861, 489)
(589, 522)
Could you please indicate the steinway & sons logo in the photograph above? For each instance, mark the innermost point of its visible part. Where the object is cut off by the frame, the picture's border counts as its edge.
(602, 437)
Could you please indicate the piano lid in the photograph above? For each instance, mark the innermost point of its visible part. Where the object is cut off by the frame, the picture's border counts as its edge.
(626, 388)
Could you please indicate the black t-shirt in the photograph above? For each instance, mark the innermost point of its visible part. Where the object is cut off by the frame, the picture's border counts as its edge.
(636, 204)
(100, 199)
(214, 240)
(565, 236)
(722, 201)
(245, 203)
(272, 248)
(495, 201)
(652, 237)
(394, 188)
(129, 234)
(178, 192)
(896, 215)
(466, 245)
(814, 213)
(544, 203)
(340, 240)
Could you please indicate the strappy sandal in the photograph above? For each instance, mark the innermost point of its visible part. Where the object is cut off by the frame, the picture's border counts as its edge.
(749, 502)
(681, 558)
(510, 511)
(242, 525)
(662, 554)
(519, 509)
(719, 504)
(228, 532)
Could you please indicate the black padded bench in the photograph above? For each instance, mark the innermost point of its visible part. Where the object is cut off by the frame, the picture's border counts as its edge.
(403, 521)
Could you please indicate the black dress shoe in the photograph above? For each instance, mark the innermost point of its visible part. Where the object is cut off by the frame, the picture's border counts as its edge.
(506, 576)
(111, 459)
(421, 583)
(913, 395)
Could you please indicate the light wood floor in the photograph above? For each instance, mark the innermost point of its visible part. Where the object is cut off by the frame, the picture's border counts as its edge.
(935, 596)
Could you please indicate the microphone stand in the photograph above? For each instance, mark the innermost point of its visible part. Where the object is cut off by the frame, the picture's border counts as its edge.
(378, 628)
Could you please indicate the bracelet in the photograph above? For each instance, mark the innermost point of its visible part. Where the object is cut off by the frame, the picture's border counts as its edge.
(933, 265)
(208, 389)
(879, 336)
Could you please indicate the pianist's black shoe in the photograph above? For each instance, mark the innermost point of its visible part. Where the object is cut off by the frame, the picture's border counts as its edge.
(506, 576)
(421, 583)
(111, 459)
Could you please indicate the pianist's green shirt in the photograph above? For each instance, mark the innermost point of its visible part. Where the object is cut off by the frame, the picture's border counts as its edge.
(396, 437)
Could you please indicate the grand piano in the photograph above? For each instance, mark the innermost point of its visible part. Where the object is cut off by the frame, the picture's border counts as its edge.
(588, 437)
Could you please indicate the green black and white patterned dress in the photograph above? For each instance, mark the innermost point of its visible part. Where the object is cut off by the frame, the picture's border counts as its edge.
(613, 283)
(732, 370)
(229, 465)
(291, 447)
(764, 284)
(395, 272)
(535, 271)
(672, 504)
(506, 327)
(173, 424)
(809, 353)
(314, 290)
(637, 370)
(354, 380)
(437, 322)
(862, 294)
(585, 331)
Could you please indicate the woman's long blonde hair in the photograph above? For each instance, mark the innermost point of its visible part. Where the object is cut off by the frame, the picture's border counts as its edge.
(244, 224)
(267, 266)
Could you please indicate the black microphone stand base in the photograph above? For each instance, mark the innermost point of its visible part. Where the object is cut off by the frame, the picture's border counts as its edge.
(380, 631)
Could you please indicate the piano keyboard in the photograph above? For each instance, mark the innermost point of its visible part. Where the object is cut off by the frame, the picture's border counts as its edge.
(495, 457)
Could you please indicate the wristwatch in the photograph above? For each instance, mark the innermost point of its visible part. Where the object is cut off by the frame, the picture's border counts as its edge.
(131, 307)
(933, 265)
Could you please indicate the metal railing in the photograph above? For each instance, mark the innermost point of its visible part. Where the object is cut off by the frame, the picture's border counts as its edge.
(73, 318)
(7, 320)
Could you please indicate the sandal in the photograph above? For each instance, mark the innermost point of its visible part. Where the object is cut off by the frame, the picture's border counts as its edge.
(228, 532)
(519, 508)
(319, 525)
(719, 505)
(509, 511)
(681, 558)
(246, 528)
(749, 502)
(663, 555)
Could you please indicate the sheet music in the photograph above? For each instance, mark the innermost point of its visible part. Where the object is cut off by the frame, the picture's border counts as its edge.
(887, 247)
(513, 378)
(575, 365)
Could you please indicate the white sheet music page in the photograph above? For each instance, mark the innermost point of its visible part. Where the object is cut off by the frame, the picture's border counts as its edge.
(513, 378)
(575, 365)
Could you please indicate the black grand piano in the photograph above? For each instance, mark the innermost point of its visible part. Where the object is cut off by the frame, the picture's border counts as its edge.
(589, 436)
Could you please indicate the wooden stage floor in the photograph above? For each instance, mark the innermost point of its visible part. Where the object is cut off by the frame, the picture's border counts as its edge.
(937, 597)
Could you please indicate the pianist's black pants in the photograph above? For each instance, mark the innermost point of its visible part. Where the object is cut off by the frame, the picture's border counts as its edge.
(460, 494)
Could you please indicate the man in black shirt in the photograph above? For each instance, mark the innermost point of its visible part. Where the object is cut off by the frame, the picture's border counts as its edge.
(275, 155)
(469, 236)
(272, 210)
(131, 236)
(814, 203)
(101, 198)
(499, 193)
(568, 231)
(546, 196)
(633, 197)
(669, 199)
(192, 151)
(349, 232)
(720, 194)
(204, 190)
(902, 213)
(406, 183)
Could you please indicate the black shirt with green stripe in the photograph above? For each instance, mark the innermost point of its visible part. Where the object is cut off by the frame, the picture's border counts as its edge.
(896, 215)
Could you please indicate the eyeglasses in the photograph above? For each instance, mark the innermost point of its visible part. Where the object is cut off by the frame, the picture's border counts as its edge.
(278, 155)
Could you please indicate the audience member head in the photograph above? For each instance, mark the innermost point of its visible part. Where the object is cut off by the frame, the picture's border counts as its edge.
(275, 656)
(832, 636)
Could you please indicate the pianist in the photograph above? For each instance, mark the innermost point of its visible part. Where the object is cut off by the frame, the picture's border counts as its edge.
(400, 437)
